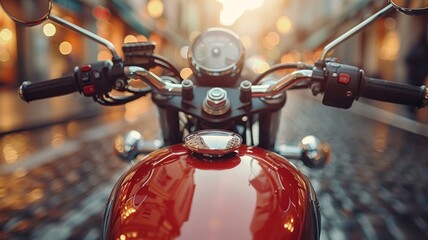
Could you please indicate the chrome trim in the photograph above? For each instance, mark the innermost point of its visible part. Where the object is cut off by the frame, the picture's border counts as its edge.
(245, 85)
(353, 31)
(232, 70)
(315, 153)
(289, 151)
(311, 151)
(85, 32)
(282, 84)
(425, 100)
(213, 143)
(426, 93)
(216, 102)
(412, 8)
(21, 90)
(128, 146)
(164, 87)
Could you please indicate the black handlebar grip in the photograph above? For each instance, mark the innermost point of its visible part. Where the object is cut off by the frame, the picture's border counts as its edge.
(393, 92)
(46, 89)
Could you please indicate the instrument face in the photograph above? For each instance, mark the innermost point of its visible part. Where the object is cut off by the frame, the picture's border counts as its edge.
(217, 53)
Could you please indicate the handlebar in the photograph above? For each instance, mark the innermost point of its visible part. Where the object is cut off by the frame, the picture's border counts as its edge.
(267, 90)
(46, 89)
(340, 83)
(164, 87)
(91, 80)
(393, 92)
(285, 83)
(338, 96)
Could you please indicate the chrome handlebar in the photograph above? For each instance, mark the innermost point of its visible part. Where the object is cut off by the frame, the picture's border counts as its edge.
(264, 90)
(283, 84)
(164, 87)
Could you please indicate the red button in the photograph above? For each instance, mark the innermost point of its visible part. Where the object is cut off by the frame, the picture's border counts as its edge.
(89, 90)
(85, 68)
(344, 78)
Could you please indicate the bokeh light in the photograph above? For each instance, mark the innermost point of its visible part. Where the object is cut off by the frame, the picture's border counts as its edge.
(183, 51)
(103, 55)
(185, 73)
(271, 40)
(155, 8)
(390, 46)
(65, 48)
(284, 25)
(390, 23)
(247, 42)
(49, 29)
(130, 39)
(258, 64)
(6, 34)
(141, 38)
(4, 56)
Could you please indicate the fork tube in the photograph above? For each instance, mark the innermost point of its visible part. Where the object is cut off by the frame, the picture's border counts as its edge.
(268, 129)
(169, 123)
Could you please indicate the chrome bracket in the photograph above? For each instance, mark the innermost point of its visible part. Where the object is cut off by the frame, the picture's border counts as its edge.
(311, 151)
(132, 144)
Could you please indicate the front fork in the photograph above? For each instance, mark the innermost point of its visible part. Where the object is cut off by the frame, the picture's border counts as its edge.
(310, 150)
(268, 129)
(170, 126)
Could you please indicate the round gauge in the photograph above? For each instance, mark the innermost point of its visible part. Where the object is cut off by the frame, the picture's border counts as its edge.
(217, 53)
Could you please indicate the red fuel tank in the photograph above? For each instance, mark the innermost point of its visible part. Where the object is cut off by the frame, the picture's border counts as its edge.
(175, 194)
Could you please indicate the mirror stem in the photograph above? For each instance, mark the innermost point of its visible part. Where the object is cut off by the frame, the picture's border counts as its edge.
(354, 31)
(87, 33)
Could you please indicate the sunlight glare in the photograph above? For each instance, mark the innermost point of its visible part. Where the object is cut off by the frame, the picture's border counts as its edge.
(234, 9)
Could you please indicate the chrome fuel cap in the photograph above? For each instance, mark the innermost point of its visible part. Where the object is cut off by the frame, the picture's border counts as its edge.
(213, 143)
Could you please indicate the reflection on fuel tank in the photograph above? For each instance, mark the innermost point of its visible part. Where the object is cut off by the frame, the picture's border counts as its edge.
(175, 195)
(167, 195)
(277, 214)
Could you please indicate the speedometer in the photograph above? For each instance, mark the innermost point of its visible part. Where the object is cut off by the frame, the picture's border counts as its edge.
(217, 53)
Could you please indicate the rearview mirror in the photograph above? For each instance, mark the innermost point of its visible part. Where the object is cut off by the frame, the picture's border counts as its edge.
(27, 12)
(34, 12)
(411, 7)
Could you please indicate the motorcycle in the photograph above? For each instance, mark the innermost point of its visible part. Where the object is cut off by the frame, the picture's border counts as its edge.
(208, 178)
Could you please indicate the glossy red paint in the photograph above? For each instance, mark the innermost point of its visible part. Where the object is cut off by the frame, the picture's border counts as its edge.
(172, 194)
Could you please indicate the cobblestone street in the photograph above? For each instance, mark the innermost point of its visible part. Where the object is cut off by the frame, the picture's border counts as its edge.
(376, 186)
